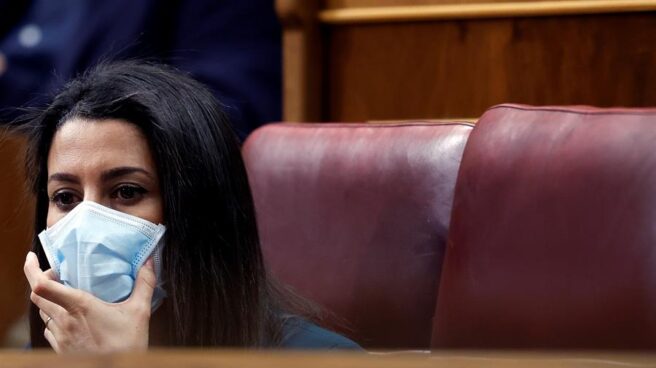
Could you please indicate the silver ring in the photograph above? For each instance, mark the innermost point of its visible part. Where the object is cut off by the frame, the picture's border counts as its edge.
(48, 321)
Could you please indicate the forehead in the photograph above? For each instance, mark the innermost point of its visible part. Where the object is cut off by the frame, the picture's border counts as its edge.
(83, 144)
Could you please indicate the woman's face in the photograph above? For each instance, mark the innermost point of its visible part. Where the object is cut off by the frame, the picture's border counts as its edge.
(105, 161)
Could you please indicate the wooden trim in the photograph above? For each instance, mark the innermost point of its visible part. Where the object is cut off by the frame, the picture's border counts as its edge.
(301, 46)
(482, 10)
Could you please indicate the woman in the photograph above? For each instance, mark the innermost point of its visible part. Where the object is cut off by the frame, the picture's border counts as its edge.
(142, 143)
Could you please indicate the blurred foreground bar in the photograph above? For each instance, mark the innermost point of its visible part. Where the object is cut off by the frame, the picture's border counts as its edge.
(246, 359)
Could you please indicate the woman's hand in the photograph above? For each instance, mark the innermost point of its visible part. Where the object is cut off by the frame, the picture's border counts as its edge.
(80, 322)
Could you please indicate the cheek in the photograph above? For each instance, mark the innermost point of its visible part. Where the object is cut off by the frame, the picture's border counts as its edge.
(53, 216)
(149, 209)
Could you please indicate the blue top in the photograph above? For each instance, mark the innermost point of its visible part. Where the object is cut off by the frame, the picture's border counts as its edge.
(300, 334)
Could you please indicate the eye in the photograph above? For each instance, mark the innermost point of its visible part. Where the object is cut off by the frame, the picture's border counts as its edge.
(65, 200)
(128, 194)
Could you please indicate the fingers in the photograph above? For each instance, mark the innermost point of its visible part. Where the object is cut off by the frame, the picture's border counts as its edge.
(49, 322)
(33, 271)
(48, 307)
(51, 339)
(44, 285)
(50, 330)
(31, 268)
(50, 274)
(145, 284)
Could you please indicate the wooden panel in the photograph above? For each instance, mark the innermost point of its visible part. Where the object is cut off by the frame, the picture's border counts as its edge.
(460, 68)
(480, 10)
(337, 4)
(15, 232)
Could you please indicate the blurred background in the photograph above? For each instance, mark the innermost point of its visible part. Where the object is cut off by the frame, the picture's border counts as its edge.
(232, 46)
(321, 60)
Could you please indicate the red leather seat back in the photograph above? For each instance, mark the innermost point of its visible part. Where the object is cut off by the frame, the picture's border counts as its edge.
(355, 217)
(553, 234)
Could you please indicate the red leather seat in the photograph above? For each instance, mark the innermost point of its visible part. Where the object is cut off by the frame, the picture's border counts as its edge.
(553, 236)
(355, 217)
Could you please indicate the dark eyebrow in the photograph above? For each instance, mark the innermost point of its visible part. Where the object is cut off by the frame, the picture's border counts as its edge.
(69, 178)
(117, 172)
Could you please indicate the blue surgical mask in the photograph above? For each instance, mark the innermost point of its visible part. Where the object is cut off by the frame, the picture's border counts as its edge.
(100, 250)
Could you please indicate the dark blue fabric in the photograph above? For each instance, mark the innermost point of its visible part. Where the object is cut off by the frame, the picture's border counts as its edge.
(300, 334)
(233, 46)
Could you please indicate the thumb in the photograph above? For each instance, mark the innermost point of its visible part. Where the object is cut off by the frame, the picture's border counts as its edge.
(145, 283)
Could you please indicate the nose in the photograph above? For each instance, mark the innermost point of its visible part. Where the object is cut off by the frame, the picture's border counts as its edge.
(94, 194)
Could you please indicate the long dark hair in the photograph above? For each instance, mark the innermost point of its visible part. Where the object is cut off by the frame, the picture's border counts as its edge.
(218, 290)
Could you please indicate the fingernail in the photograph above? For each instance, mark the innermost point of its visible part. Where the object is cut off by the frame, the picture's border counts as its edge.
(149, 263)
